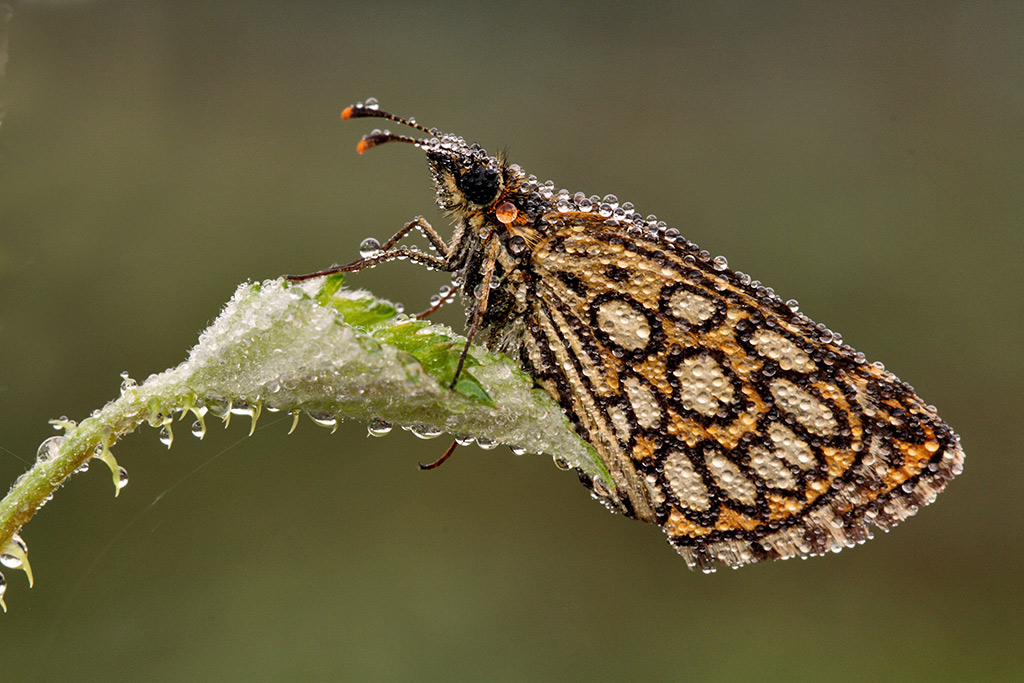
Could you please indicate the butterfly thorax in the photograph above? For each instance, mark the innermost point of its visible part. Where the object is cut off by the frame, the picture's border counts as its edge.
(490, 200)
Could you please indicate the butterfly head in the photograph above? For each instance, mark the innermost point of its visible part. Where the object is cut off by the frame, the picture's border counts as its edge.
(466, 177)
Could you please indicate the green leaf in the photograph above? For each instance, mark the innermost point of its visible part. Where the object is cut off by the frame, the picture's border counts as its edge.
(316, 349)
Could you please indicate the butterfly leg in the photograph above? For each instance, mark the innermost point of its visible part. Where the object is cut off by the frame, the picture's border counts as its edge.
(436, 463)
(423, 259)
(425, 229)
(388, 253)
(491, 245)
(445, 298)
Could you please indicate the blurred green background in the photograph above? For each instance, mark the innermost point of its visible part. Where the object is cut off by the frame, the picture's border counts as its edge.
(865, 159)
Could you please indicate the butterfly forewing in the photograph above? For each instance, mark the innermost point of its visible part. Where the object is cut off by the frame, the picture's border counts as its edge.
(734, 422)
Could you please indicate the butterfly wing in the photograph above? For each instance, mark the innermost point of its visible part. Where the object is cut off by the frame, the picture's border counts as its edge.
(740, 426)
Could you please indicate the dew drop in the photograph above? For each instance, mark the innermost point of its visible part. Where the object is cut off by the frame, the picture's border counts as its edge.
(369, 247)
(199, 429)
(220, 409)
(323, 418)
(242, 409)
(17, 540)
(122, 477)
(371, 103)
(485, 443)
(166, 436)
(48, 449)
(127, 383)
(378, 427)
(601, 488)
(424, 431)
(506, 212)
(518, 450)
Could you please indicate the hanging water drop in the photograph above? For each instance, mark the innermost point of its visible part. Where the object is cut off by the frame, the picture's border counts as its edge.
(199, 429)
(485, 443)
(242, 409)
(425, 431)
(378, 427)
(10, 560)
(221, 409)
(122, 478)
(323, 418)
(15, 556)
(166, 436)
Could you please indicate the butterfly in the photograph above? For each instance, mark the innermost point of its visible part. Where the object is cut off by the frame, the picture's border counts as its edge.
(741, 427)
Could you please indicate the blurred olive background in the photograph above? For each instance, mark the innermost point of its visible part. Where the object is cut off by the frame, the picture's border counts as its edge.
(865, 159)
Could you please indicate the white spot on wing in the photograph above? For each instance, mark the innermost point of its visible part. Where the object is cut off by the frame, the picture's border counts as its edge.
(703, 385)
(623, 324)
(620, 421)
(771, 468)
(791, 447)
(685, 482)
(806, 408)
(774, 346)
(689, 307)
(729, 478)
(645, 406)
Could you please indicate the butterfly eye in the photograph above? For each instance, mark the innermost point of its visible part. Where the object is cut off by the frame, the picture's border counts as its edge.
(479, 184)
